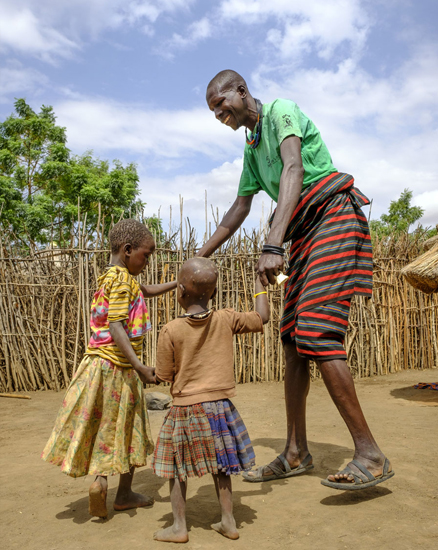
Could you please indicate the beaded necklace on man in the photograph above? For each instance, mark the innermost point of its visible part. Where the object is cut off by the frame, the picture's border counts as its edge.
(257, 132)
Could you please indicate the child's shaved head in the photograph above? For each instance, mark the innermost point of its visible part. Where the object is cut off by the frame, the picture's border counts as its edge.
(198, 277)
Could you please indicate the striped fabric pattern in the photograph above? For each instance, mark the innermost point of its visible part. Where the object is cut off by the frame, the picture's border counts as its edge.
(185, 445)
(234, 451)
(320, 332)
(118, 298)
(330, 258)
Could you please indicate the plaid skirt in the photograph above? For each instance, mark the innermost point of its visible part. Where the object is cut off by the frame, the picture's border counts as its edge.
(204, 438)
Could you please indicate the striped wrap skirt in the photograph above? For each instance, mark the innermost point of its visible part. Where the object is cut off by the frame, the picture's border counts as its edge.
(204, 438)
(330, 260)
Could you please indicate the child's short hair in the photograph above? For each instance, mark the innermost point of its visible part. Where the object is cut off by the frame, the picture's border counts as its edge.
(128, 231)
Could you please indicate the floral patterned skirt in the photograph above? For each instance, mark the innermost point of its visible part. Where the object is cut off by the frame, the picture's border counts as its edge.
(102, 427)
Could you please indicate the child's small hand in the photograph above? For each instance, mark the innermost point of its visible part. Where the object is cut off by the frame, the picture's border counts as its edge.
(146, 374)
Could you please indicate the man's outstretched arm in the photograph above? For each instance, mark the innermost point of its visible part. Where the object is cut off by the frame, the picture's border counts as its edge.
(230, 223)
(291, 184)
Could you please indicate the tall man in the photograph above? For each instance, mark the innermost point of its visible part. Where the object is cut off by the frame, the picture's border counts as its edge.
(330, 260)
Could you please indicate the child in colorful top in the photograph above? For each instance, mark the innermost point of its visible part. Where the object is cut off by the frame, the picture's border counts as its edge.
(102, 427)
(203, 432)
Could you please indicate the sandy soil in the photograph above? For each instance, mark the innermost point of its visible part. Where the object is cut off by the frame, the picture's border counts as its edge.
(42, 509)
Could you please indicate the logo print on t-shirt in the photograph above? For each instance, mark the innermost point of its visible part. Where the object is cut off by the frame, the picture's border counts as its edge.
(287, 120)
(270, 162)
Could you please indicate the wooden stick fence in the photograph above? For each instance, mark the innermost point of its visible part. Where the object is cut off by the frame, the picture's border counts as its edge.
(45, 299)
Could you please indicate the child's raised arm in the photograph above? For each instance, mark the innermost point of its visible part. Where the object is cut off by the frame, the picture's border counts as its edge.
(261, 301)
(147, 374)
(150, 291)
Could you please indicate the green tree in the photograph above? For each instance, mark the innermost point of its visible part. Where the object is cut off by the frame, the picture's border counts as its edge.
(400, 217)
(41, 183)
(155, 226)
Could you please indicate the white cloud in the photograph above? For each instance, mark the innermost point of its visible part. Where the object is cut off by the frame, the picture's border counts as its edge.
(132, 12)
(17, 79)
(429, 202)
(51, 30)
(380, 129)
(347, 95)
(221, 183)
(136, 12)
(22, 31)
(302, 26)
(108, 126)
(196, 32)
(285, 29)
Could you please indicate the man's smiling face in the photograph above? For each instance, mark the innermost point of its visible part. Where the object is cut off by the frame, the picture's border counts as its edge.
(228, 105)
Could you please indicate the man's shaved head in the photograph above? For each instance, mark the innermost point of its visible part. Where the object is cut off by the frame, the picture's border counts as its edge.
(229, 98)
(227, 79)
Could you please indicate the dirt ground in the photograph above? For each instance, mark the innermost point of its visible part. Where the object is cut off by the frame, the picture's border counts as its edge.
(42, 509)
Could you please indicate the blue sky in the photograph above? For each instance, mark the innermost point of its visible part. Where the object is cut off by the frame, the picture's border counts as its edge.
(127, 79)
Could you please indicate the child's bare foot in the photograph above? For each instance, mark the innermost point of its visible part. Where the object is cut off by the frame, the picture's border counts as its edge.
(97, 498)
(227, 528)
(131, 500)
(172, 534)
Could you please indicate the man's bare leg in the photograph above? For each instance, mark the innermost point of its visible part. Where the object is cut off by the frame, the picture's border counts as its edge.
(296, 389)
(339, 382)
(340, 385)
(178, 531)
(126, 498)
(227, 525)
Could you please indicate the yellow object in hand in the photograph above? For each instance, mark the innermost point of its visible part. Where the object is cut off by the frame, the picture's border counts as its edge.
(280, 278)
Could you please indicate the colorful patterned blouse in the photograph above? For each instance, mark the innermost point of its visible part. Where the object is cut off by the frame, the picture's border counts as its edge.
(118, 298)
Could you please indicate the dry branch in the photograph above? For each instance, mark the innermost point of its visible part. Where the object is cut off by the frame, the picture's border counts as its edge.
(15, 395)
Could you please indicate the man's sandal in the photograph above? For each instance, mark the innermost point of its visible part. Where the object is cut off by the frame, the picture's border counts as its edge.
(277, 472)
(361, 479)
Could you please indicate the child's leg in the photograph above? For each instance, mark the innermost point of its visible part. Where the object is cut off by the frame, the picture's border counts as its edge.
(126, 498)
(97, 497)
(227, 526)
(178, 531)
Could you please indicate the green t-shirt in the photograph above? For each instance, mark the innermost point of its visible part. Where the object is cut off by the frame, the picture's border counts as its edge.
(262, 166)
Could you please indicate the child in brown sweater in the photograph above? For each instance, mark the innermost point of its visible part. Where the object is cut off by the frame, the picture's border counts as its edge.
(203, 432)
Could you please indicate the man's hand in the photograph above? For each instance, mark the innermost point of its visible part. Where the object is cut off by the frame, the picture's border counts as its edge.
(268, 267)
(146, 374)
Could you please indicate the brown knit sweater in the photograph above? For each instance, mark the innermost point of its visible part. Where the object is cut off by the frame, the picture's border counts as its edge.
(196, 355)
